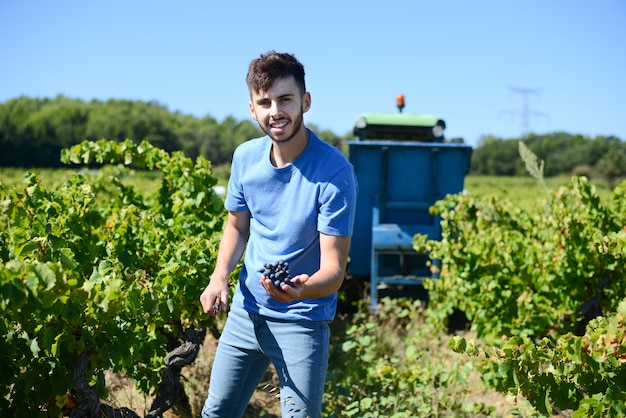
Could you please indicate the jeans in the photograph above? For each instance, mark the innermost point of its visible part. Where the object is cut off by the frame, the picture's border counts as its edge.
(249, 342)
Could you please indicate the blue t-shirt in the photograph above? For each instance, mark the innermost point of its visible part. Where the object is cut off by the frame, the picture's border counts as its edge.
(289, 207)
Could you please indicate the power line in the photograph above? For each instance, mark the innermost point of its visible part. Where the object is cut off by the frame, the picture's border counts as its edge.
(525, 112)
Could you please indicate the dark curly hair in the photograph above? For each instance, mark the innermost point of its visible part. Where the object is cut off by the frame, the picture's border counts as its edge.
(272, 66)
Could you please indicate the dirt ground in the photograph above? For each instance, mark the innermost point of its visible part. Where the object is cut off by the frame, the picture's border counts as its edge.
(265, 402)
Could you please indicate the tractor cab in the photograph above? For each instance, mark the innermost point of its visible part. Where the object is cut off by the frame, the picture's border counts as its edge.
(399, 126)
(403, 166)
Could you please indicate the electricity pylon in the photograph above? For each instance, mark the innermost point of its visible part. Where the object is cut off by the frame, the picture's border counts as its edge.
(525, 112)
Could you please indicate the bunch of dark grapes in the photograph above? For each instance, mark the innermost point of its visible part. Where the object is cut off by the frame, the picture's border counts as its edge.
(277, 272)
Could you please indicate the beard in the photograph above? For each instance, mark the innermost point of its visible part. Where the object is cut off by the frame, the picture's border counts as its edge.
(295, 126)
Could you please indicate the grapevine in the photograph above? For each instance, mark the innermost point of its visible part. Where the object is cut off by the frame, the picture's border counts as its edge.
(96, 276)
(543, 289)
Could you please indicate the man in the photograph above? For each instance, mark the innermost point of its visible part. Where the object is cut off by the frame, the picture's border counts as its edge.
(291, 197)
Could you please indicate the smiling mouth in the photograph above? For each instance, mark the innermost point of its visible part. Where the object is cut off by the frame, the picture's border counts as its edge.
(279, 125)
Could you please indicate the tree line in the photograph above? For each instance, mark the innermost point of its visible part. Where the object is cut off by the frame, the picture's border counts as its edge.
(563, 153)
(33, 131)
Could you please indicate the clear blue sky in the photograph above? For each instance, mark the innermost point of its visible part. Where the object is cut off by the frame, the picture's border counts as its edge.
(473, 63)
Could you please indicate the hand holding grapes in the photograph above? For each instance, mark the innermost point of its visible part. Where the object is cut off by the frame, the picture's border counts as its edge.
(278, 282)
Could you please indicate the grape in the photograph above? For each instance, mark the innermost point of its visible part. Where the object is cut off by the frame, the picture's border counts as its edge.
(277, 272)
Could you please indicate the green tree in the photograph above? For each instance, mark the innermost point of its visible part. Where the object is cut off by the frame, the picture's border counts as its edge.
(495, 156)
(137, 121)
(612, 166)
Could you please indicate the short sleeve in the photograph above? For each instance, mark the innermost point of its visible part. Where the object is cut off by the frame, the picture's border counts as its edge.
(235, 199)
(338, 204)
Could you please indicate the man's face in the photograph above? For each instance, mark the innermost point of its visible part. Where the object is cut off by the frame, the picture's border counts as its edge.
(279, 110)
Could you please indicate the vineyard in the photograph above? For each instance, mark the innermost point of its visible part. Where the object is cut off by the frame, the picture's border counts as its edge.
(102, 269)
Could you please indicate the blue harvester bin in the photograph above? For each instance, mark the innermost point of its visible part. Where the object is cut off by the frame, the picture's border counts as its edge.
(398, 182)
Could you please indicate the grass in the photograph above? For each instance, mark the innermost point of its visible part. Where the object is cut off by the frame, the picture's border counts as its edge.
(525, 191)
(51, 178)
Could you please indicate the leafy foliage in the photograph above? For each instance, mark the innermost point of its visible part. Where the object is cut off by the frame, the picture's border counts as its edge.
(584, 373)
(530, 273)
(544, 289)
(379, 369)
(96, 267)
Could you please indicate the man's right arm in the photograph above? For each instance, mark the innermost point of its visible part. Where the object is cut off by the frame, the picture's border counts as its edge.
(232, 246)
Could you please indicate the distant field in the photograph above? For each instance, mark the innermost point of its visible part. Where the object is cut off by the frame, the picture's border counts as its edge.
(13, 176)
(523, 191)
(52, 178)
